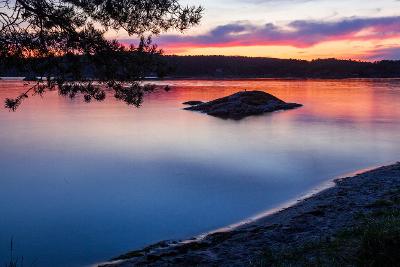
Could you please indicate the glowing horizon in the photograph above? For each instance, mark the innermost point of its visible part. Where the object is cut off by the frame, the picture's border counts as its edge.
(301, 29)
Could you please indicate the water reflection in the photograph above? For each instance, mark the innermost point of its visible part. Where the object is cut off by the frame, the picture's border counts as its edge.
(81, 183)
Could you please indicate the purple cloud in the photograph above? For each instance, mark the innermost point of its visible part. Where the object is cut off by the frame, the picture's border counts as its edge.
(392, 53)
(301, 33)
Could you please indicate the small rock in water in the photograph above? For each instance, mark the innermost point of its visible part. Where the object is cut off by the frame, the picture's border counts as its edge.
(242, 104)
(193, 103)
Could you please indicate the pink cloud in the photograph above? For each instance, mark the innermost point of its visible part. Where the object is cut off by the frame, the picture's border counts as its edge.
(301, 34)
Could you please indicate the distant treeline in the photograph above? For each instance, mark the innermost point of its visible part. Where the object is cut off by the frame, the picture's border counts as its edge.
(228, 66)
(242, 67)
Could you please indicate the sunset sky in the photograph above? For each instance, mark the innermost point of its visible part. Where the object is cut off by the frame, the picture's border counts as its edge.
(304, 29)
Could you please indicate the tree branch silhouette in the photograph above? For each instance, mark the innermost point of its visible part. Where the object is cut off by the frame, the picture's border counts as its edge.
(63, 41)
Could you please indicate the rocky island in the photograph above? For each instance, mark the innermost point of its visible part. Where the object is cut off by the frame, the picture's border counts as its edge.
(241, 105)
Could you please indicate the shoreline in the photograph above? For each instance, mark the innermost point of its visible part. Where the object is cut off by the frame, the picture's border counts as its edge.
(280, 227)
(228, 78)
(212, 78)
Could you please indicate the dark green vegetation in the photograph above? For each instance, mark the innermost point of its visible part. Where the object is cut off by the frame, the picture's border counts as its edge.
(222, 66)
(64, 40)
(375, 241)
(248, 67)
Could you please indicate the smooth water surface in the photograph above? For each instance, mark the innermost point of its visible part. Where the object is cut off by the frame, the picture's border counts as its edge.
(81, 183)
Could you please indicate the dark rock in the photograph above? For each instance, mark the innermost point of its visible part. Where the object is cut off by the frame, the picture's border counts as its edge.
(130, 255)
(151, 258)
(193, 103)
(243, 104)
(317, 213)
(220, 236)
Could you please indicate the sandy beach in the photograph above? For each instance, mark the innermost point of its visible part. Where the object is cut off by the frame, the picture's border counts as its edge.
(317, 218)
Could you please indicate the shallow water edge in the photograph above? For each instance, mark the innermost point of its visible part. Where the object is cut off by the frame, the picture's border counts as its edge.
(295, 208)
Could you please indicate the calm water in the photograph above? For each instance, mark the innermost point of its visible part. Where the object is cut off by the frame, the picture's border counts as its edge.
(81, 183)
